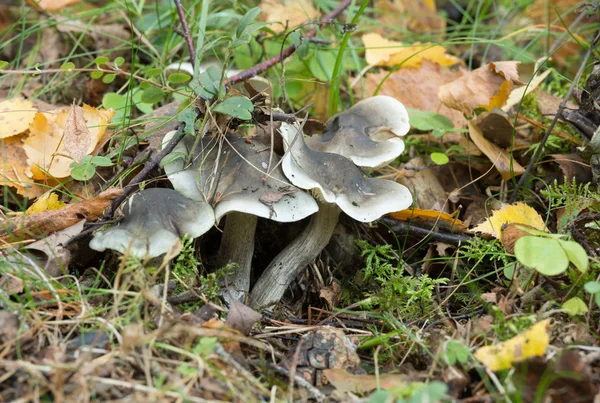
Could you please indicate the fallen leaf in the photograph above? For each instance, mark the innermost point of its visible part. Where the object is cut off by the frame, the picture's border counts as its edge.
(486, 87)
(47, 154)
(38, 225)
(413, 87)
(430, 218)
(15, 116)
(383, 52)
(331, 294)
(48, 201)
(242, 317)
(530, 343)
(52, 5)
(14, 169)
(418, 16)
(506, 166)
(76, 134)
(518, 213)
(344, 381)
(428, 193)
(517, 94)
(292, 12)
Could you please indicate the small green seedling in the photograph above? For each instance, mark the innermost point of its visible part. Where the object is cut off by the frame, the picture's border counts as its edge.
(549, 254)
(86, 169)
(593, 287)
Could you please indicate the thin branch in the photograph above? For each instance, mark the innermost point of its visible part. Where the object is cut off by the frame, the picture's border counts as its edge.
(186, 32)
(559, 113)
(287, 52)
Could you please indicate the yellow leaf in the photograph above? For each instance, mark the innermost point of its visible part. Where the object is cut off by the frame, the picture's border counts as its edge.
(48, 201)
(15, 116)
(383, 52)
(530, 343)
(48, 155)
(518, 213)
(290, 12)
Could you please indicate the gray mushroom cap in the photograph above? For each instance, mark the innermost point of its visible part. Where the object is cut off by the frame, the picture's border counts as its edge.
(153, 221)
(339, 181)
(368, 133)
(233, 177)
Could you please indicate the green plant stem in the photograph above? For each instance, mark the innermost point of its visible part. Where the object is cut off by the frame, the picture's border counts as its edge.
(335, 75)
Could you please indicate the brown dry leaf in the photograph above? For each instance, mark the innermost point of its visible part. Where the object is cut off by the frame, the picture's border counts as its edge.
(14, 168)
(518, 213)
(331, 293)
(424, 185)
(383, 52)
(76, 134)
(41, 224)
(47, 153)
(415, 15)
(347, 382)
(506, 166)
(242, 317)
(52, 5)
(15, 116)
(486, 87)
(414, 86)
(292, 12)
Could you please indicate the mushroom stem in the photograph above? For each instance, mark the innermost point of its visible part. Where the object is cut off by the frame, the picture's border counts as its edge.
(237, 246)
(288, 264)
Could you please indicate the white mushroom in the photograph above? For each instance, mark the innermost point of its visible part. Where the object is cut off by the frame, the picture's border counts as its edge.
(339, 184)
(154, 219)
(369, 133)
(232, 177)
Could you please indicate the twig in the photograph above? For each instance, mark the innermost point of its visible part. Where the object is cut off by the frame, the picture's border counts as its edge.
(287, 52)
(559, 113)
(149, 166)
(186, 32)
(403, 227)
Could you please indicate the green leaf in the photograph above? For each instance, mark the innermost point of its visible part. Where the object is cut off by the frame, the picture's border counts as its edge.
(96, 74)
(109, 78)
(152, 95)
(321, 65)
(136, 98)
(101, 161)
(542, 254)
(188, 116)
(379, 396)
(592, 287)
(427, 121)
(68, 66)
(83, 172)
(101, 60)
(3, 64)
(238, 107)
(112, 100)
(246, 20)
(439, 158)
(576, 254)
(174, 156)
(177, 78)
(119, 61)
(575, 306)
(207, 84)
(153, 72)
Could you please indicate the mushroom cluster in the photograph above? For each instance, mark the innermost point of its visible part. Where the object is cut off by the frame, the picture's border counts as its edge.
(242, 180)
